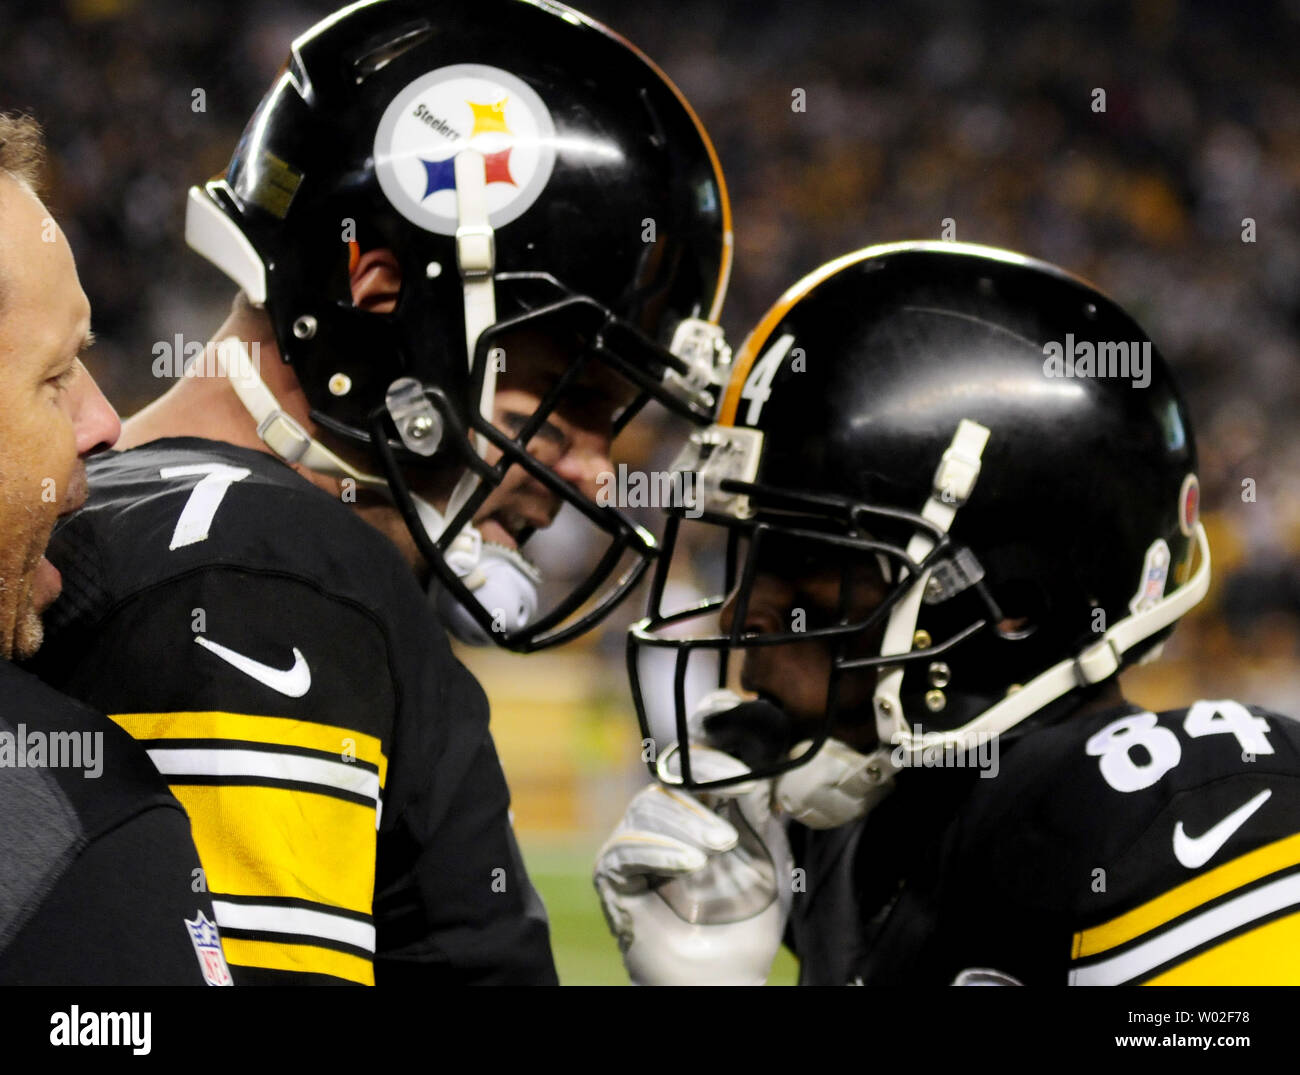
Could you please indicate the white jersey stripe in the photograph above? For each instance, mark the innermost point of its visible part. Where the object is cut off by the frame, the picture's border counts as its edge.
(187, 761)
(299, 920)
(1193, 933)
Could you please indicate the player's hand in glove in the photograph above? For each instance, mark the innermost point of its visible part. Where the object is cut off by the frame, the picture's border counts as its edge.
(697, 889)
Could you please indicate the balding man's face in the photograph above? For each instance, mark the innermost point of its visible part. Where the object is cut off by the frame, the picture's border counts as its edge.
(51, 412)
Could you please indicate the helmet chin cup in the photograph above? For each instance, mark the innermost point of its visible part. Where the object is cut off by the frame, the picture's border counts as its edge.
(835, 786)
(500, 580)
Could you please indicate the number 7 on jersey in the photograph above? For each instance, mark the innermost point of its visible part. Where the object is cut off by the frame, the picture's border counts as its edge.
(196, 517)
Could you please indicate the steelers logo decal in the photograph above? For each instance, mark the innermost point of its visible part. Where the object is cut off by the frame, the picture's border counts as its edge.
(453, 109)
(1189, 505)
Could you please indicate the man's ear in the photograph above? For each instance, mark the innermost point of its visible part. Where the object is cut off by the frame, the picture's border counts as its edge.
(376, 279)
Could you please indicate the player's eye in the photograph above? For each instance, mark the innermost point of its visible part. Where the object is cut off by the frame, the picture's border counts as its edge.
(62, 381)
(548, 434)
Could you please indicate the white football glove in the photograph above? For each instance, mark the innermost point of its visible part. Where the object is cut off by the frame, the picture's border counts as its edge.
(697, 889)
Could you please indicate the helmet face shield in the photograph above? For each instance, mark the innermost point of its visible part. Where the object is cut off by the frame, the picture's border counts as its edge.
(599, 372)
(621, 542)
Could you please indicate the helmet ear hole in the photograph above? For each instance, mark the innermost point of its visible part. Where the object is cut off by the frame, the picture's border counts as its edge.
(374, 278)
(1022, 610)
(1014, 628)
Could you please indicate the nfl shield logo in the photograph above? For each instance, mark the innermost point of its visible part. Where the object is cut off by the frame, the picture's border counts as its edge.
(207, 945)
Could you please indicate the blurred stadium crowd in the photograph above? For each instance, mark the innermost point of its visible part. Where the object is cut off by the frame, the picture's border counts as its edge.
(986, 116)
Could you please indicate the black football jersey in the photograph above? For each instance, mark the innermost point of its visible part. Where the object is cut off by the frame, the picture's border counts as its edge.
(1119, 848)
(278, 660)
(100, 883)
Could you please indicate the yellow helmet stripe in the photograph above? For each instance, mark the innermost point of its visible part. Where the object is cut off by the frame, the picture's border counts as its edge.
(756, 341)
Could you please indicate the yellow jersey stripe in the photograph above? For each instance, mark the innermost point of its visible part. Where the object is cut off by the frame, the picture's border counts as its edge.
(1186, 897)
(259, 841)
(304, 958)
(1269, 955)
(280, 731)
(1169, 945)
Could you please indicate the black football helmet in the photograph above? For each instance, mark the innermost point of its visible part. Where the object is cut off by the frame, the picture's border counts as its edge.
(530, 170)
(998, 440)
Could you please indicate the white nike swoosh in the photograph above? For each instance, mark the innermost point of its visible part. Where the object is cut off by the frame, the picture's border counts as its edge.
(1195, 851)
(293, 682)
